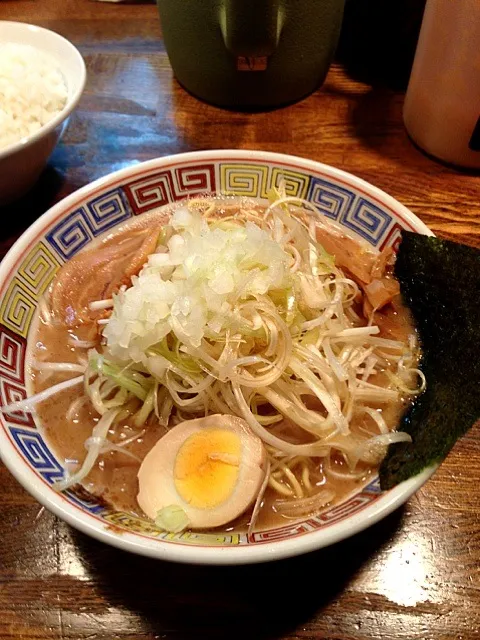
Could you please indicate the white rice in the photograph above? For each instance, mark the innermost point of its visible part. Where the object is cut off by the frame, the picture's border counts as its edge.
(32, 91)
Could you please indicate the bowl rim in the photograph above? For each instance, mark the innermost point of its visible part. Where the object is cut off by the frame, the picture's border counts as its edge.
(71, 102)
(193, 554)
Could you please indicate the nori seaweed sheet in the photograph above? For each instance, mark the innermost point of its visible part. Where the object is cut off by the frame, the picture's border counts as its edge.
(440, 283)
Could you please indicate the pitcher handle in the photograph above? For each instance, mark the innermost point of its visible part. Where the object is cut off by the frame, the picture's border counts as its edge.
(249, 31)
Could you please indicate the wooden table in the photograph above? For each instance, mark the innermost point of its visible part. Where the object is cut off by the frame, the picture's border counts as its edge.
(416, 574)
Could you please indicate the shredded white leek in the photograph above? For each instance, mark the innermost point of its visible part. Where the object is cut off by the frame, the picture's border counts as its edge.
(246, 314)
(94, 446)
(29, 403)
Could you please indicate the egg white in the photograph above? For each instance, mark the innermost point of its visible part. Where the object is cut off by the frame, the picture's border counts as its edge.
(157, 481)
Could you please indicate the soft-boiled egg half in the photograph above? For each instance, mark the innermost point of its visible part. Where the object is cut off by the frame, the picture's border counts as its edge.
(211, 468)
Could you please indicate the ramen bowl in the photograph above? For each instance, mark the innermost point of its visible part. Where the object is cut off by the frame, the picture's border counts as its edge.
(361, 209)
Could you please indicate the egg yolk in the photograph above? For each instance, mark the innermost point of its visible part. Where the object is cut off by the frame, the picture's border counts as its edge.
(206, 467)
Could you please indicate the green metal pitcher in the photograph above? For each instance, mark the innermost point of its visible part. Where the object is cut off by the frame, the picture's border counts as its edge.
(250, 54)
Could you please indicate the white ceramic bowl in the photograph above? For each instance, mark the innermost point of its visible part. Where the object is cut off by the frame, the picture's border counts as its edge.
(22, 163)
(72, 224)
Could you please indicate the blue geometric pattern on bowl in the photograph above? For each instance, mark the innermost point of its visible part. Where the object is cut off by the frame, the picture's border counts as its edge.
(367, 220)
(33, 447)
(95, 217)
(333, 200)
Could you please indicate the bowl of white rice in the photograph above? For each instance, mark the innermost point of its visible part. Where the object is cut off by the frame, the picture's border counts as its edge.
(42, 76)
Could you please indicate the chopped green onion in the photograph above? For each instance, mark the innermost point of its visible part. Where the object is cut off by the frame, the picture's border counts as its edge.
(172, 518)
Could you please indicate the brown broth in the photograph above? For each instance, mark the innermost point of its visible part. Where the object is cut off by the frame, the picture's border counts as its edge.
(114, 477)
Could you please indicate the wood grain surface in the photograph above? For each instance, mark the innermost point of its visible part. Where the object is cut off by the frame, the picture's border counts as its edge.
(413, 576)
